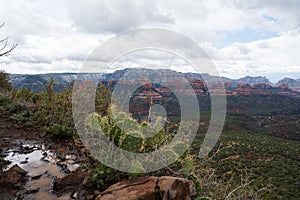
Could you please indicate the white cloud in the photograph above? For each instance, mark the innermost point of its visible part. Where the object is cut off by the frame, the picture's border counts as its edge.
(57, 35)
(115, 16)
(33, 18)
(263, 57)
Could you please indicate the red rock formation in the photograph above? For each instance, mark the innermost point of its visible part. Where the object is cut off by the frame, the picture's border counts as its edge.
(246, 89)
(284, 86)
(148, 188)
(262, 86)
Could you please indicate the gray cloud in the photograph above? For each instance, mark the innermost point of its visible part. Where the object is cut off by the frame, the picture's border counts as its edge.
(58, 35)
(286, 5)
(24, 18)
(263, 45)
(115, 16)
(243, 49)
(283, 12)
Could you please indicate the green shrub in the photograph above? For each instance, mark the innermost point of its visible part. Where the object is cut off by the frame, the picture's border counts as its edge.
(15, 108)
(23, 95)
(100, 174)
(4, 83)
(130, 138)
(4, 100)
(22, 117)
(53, 108)
(203, 198)
(60, 131)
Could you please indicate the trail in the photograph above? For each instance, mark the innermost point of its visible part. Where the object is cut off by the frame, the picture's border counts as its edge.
(43, 160)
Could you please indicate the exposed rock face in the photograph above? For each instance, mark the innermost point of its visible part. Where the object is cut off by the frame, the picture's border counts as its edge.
(150, 188)
(292, 83)
(254, 80)
(247, 89)
(262, 86)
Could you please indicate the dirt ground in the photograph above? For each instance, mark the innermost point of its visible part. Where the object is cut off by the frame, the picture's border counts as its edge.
(35, 166)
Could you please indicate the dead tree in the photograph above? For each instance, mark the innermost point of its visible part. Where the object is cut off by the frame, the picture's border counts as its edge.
(4, 49)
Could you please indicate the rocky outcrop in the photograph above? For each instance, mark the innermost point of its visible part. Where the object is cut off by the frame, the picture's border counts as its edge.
(292, 83)
(254, 80)
(247, 89)
(150, 188)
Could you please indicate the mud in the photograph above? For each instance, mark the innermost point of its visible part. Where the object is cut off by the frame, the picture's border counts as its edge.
(43, 160)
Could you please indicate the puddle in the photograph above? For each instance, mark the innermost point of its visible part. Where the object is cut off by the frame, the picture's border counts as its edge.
(42, 167)
(35, 163)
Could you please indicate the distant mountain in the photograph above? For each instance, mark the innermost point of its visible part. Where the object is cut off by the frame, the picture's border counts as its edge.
(255, 80)
(247, 80)
(62, 80)
(292, 83)
(38, 82)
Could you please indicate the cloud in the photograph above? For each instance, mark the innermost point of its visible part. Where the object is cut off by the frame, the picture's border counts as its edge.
(42, 54)
(241, 37)
(268, 56)
(24, 18)
(95, 16)
(283, 13)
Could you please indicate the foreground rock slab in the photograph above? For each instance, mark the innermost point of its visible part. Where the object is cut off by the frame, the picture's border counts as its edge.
(11, 182)
(150, 188)
(69, 183)
(12, 177)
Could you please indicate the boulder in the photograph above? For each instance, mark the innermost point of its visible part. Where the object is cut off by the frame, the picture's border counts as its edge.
(70, 182)
(11, 182)
(14, 176)
(150, 188)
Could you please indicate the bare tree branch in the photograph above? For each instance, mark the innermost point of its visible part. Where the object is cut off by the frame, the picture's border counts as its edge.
(4, 46)
(237, 188)
(5, 53)
(5, 41)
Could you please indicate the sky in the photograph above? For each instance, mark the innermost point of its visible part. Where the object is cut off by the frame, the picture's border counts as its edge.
(256, 38)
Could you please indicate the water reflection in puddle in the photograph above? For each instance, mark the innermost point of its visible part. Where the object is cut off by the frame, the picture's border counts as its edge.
(35, 163)
(41, 166)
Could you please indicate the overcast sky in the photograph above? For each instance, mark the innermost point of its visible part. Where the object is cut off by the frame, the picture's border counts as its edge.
(241, 37)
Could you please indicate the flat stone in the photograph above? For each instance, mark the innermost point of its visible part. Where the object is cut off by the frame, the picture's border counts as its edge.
(149, 188)
(12, 177)
(70, 182)
(32, 190)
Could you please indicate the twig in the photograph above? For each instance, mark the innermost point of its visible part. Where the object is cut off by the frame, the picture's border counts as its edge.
(5, 40)
(237, 188)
